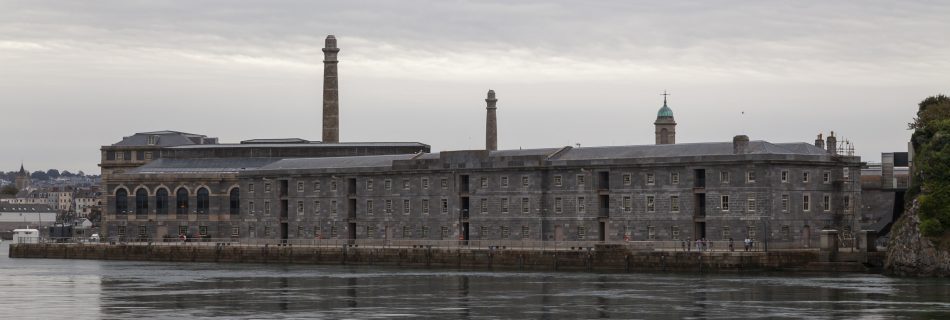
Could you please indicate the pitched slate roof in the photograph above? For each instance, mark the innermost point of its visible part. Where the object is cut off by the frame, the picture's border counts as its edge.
(685, 150)
(336, 162)
(202, 165)
(310, 144)
(166, 139)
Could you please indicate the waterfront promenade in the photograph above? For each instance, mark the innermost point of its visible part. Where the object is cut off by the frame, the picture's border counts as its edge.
(472, 254)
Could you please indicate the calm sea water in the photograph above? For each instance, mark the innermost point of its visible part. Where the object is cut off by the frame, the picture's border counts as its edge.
(81, 289)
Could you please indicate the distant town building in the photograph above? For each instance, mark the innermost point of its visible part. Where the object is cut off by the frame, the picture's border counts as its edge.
(16, 216)
(23, 180)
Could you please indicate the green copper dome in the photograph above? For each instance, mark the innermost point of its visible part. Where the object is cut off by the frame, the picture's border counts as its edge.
(665, 111)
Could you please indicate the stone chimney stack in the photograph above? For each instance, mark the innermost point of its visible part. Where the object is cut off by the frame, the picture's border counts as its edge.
(832, 144)
(740, 144)
(491, 124)
(331, 94)
(820, 142)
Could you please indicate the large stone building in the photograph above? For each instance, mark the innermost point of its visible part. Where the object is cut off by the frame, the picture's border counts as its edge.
(293, 189)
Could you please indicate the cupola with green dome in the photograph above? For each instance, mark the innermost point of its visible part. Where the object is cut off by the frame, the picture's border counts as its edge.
(665, 125)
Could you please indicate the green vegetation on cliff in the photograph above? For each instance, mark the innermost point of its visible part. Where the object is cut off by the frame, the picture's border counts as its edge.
(931, 181)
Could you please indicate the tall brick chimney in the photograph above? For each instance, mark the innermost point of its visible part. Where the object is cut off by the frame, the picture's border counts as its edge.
(820, 142)
(491, 124)
(740, 144)
(331, 94)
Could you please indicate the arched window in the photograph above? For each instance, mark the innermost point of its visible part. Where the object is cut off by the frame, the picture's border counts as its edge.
(121, 201)
(181, 201)
(141, 201)
(235, 201)
(161, 201)
(204, 200)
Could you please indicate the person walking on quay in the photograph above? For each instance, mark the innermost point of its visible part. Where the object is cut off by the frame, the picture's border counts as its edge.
(699, 245)
(683, 244)
(689, 244)
(731, 247)
(748, 243)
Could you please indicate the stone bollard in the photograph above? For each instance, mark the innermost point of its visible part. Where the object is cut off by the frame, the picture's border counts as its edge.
(828, 246)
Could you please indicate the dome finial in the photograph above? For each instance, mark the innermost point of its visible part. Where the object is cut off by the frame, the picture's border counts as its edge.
(664, 94)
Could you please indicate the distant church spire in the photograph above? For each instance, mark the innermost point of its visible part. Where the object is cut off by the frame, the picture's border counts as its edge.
(665, 125)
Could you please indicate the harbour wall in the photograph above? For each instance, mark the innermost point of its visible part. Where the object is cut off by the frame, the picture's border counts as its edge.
(602, 258)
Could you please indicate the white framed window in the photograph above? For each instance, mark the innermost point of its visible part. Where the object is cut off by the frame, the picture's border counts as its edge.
(316, 186)
(724, 176)
(627, 204)
(369, 184)
(120, 155)
(752, 231)
(250, 187)
(524, 181)
(651, 204)
(557, 181)
(525, 206)
(581, 205)
(627, 179)
(651, 179)
(674, 177)
(750, 203)
(299, 186)
(425, 206)
(444, 233)
(483, 204)
(525, 232)
(369, 206)
(505, 233)
(847, 203)
(389, 206)
(425, 183)
(826, 202)
(250, 206)
(784, 203)
(805, 176)
(388, 184)
(846, 172)
(406, 206)
(651, 233)
(826, 177)
(235, 232)
(333, 207)
(504, 205)
(316, 206)
(726, 233)
(674, 203)
(786, 233)
(405, 184)
(784, 176)
(750, 177)
(581, 180)
(806, 202)
(266, 207)
(152, 140)
(333, 185)
(267, 187)
(483, 182)
(558, 205)
(504, 181)
(581, 233)
(724, 200)
(483, 232)
(445, 206)
(299, 207)
(444, 182)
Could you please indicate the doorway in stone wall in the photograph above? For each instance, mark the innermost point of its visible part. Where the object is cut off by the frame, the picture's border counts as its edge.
(806, 237)
(558, 233)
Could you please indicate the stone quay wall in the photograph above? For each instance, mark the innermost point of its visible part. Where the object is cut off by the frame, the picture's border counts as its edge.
(605, 258)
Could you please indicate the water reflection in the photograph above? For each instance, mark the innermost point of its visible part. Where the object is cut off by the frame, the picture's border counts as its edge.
(131, 290)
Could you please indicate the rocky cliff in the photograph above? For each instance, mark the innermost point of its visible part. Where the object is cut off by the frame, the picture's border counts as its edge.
(910, 254)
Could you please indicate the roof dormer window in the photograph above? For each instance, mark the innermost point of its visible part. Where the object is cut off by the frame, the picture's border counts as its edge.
(152, 140)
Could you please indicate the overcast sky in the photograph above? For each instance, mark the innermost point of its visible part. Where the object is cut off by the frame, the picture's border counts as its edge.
(76, 75)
